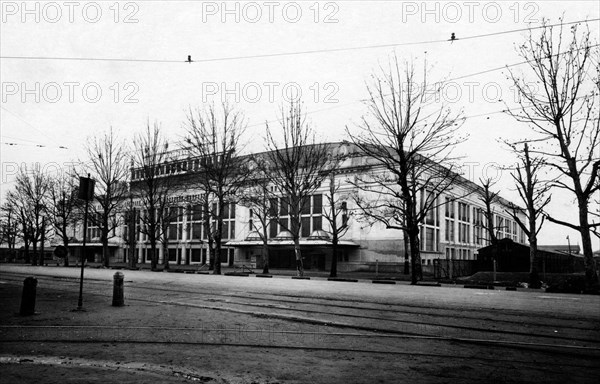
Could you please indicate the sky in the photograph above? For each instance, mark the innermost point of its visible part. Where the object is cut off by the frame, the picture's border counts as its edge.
(128, 66)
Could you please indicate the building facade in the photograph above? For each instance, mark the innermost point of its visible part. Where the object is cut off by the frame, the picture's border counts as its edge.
(453, 229)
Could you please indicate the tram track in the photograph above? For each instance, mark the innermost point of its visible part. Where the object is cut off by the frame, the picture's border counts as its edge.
(223, 302)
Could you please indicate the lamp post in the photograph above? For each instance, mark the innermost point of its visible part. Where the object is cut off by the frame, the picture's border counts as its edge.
(86, 192)
(43, 238)
(571, 259)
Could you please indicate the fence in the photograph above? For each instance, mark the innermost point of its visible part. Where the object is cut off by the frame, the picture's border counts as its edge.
(449, 269)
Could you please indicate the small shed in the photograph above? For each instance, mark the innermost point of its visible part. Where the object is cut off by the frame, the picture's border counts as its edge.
(514, 257)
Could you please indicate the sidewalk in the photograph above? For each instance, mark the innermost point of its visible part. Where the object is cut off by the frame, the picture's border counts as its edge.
(312, 274)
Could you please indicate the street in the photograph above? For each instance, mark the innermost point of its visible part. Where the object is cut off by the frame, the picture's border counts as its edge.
(230, 329)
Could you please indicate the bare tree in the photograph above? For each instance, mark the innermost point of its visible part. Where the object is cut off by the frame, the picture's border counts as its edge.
(132, 220)
(151, 161)
(409, 138)
(108, 166)
(336, 214)
(214, 135)
(18, 203)
(31, 193)
(489, 199)
(534, 195)
(563, 111)
(64, 207)
(257, 197)
(9, 226)
(295, 167)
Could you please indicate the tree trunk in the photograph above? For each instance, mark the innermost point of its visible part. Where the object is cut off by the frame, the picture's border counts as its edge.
(591, 277)
(153, 255)
(26, 257)
(165, 247)
(406, 253)
(34, 261)
(416, 272)
(105, 253)
(265, 257)
(217, 262)
(298, 254)
(334, 246)
(66, 245)
(132, 242)
(534, 278)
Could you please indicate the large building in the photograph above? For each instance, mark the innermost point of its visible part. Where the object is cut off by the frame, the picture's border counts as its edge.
(454, 229)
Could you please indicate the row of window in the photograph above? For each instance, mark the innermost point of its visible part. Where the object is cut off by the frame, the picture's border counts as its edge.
(468, 222)
(195, 255)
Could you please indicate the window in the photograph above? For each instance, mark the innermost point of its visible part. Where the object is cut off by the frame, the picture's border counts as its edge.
(449, 208)
(305, 226)
(317, 223)
(229, 221)
(272, 228)
(317, 204)
(499, 227)
(450, 230)
(464, 225)
(310, 216)
(195, 255)
(449, 214)
(430, 229)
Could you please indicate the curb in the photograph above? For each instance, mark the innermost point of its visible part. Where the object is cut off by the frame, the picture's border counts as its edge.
(263, 275)
(342, 279)
(477, 286)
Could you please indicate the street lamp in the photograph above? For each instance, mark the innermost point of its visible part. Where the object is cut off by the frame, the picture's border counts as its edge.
(86, 192)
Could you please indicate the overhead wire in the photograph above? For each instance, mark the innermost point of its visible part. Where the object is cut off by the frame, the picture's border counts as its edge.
(293, 53)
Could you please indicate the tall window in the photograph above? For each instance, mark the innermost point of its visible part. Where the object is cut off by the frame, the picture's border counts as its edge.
(196, 219)
(499, 227)
(175, 217)
(229, 221)
(430, 228)
(449, 213)
(311, 216)
(479, 233)
(464, 227)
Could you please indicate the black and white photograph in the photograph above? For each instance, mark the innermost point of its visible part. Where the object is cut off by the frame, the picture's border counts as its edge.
(309, 191)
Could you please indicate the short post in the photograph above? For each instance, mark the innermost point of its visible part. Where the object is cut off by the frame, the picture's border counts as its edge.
(118, 300)
(28, 297)
(494, 270)
(376, 267)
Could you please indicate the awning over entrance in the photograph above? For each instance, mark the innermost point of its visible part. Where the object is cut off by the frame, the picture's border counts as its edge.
(278, 243)
(110, 245)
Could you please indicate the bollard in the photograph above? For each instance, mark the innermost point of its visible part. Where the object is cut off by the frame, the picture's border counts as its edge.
(118, 300)
(28, 297)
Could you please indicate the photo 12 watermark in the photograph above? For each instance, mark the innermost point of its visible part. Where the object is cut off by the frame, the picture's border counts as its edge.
(467, 91)
(470, 11)
(270, 91)
(475, 171)
(69, 92)
(10, 169)
(53, 12)
(270, 12)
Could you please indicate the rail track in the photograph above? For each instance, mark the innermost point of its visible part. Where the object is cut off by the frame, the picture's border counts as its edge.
(375, 320)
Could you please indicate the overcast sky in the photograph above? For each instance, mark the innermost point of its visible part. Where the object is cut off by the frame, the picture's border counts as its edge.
(51, 103)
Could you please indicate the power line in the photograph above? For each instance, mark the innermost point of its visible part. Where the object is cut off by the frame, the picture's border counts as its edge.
(31, 145)
(269, 55)
(29, 124)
